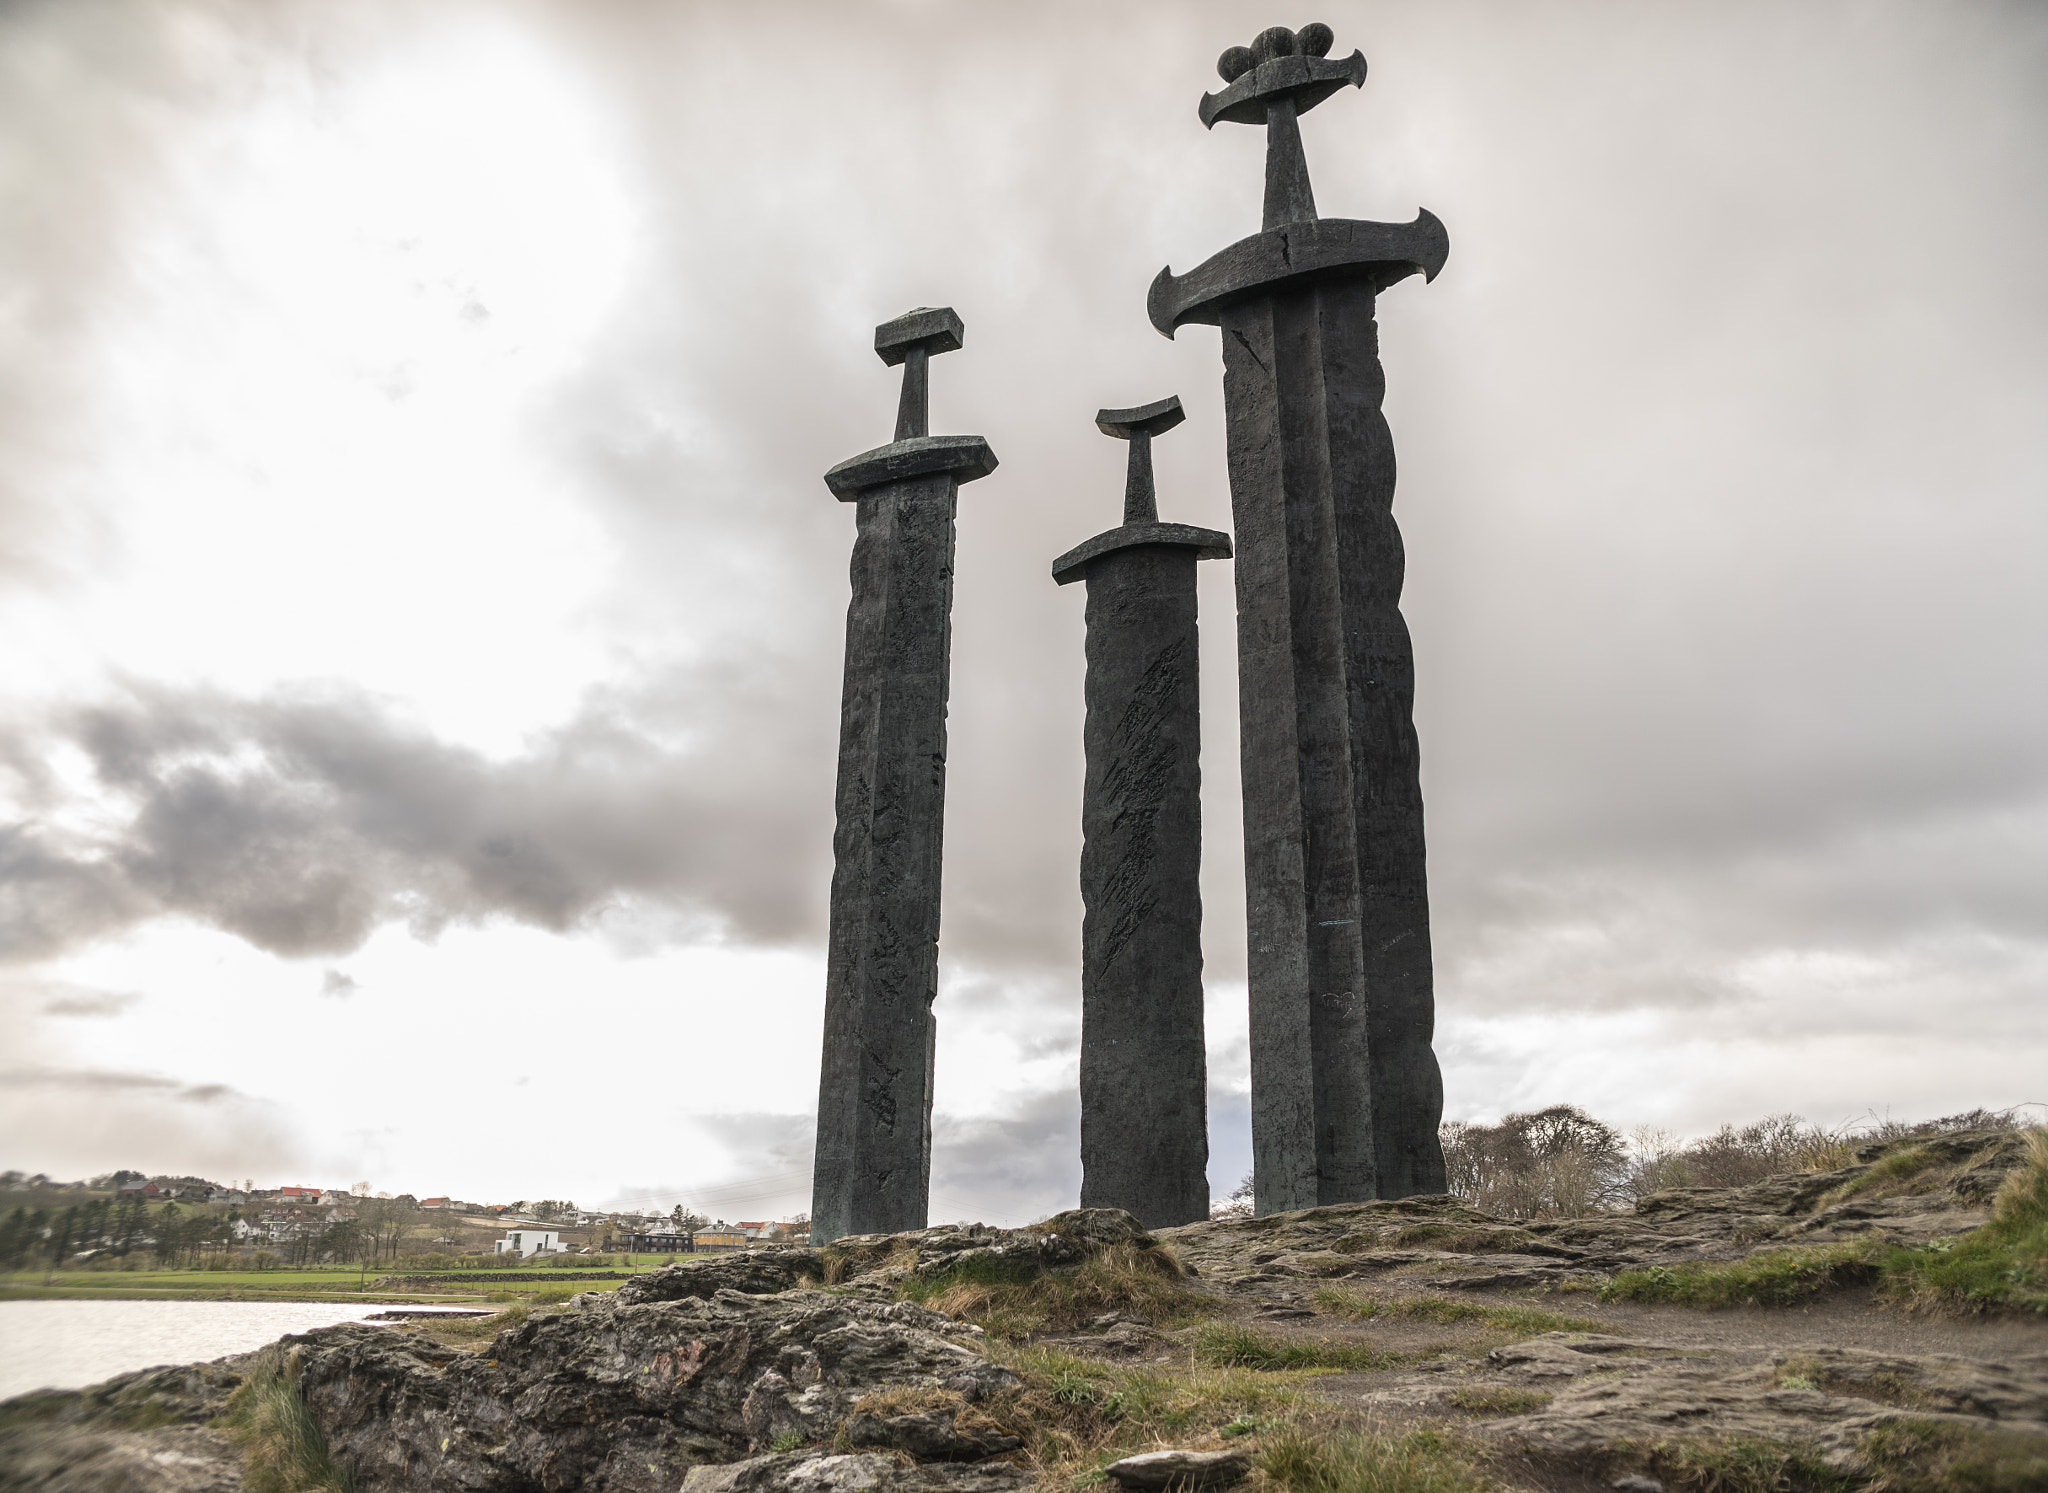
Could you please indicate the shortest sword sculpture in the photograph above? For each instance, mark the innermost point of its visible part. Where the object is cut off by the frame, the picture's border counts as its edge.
(1144, 1074)
(873, 1168)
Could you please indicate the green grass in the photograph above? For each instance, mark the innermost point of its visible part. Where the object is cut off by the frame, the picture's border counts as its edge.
(1777, 1277)
(1233, 1345)
(283, 1448)
(274, 1285)
(1520, 1321)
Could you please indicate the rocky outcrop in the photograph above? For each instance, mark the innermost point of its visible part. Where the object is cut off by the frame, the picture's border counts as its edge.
(1928, 1189)
(144, 1432)
(624, 1396)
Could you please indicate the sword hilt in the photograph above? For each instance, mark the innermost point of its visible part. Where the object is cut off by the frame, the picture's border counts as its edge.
(1138, 426)
(911, 339)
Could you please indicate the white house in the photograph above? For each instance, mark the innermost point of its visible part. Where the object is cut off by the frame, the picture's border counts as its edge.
(530, 1242)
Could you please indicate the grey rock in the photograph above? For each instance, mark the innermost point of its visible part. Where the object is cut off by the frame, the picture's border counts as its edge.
(752, 1272)
(1346, 1092)
(1144, 1073)
(873, 1165)
(144, 1431)
(1064, 1239)
(938, 1435)
(856, 1472)
(1635, 1482)
(1180, 1469)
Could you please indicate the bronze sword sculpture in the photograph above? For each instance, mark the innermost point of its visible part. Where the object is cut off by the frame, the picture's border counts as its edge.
(873, 1167)
(1346, 1093)
(1144, 1073)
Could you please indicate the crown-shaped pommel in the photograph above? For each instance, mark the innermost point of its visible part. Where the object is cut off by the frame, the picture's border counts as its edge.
(1294, 65)
(911, 339)
(1138, 426)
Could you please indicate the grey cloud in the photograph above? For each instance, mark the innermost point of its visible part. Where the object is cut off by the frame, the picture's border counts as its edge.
(72, 1000)
(338, 983)
(70, 1121)
(110, 1081)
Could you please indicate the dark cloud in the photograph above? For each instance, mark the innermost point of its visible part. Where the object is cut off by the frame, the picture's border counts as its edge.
(303, 823)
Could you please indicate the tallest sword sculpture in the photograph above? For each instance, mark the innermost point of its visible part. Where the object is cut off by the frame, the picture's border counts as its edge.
(1346, 1095)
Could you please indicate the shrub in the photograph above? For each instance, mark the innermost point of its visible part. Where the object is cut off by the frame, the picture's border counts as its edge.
(1558, 1162)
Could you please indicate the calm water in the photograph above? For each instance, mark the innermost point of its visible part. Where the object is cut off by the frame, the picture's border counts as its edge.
(69, 1344)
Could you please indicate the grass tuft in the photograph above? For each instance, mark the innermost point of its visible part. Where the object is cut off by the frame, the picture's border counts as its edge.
(1521, 1321)
(1498, 1399)
(1233, 1345)
(283, 1448)
(1926, 1456)
(1425, 1461)
(1077, 1415)
(1743, 1465)
(1778, 1277)
(1014, 1301)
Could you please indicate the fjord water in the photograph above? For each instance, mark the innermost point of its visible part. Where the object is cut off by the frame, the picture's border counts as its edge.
(69, 1344)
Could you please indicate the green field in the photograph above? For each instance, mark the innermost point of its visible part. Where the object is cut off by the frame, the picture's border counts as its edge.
(282, 1285)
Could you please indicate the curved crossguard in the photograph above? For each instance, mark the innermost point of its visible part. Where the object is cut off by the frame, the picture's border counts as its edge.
(1138, 426)
(1280, 76)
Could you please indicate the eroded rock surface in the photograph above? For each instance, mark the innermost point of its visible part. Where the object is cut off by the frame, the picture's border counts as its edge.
(1451, 1244)
(1609, 1392)
(629, 1395)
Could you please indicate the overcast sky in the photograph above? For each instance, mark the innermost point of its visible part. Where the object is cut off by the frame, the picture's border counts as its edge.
(422, 609)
